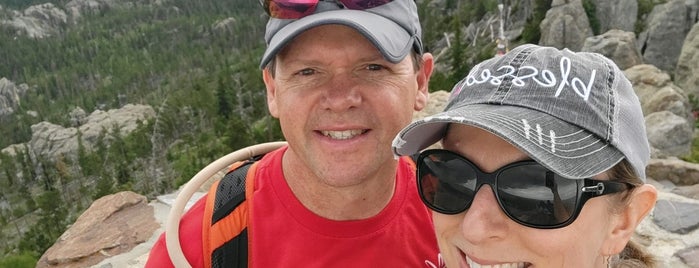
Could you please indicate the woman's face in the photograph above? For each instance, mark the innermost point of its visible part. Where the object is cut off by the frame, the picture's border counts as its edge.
(483, 236)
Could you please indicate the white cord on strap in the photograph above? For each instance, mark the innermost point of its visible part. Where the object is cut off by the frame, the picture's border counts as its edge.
(172, 227)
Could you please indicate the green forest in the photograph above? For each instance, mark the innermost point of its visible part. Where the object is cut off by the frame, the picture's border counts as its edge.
(203, 82)
(205, 86)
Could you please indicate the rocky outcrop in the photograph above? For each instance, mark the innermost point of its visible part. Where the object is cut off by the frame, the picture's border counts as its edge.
(620, 15)
(112, 225)
(674, 170)
(224, 26)
(618, 45)
(669, 120)
(44, 20)
(687, 71)
(38, 21)
(10, 96)
(666, 28)
(669, 133)
(78, 117)
(51, 140)
(566, 25)
(657, 92)
(671, 232)
(76, 8)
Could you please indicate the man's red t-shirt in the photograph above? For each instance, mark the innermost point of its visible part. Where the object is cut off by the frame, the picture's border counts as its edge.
(286, 234)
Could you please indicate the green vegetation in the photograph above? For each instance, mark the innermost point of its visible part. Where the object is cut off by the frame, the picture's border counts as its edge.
(201, 79)
(644, 8)
(23, 260)
(531, 33)
(591, 12)
(694, 154)
(461, 56)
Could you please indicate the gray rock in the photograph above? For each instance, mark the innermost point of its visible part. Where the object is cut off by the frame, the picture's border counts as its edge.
(224, 26)
(76, 8)
(657, 93)
(678, 172)
(38, 21)
(620, 14)
(668, 98)
(10, 96)
(667, 26)
(693, 6)
(565, 26)
(51, 140)
(666, 184)
(669, 133)
(691, 191)
(676, 217)
(690, 256)
(647, 74)
(618, 45)
(78, 116)
(687, 71)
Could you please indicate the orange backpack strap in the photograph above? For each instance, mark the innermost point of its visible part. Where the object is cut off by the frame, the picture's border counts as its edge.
(227, 217)
(412, 160)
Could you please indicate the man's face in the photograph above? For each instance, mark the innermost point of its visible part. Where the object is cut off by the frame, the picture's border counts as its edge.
(340, 103)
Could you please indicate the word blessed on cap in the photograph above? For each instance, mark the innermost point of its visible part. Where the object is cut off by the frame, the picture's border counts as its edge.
(545, 78)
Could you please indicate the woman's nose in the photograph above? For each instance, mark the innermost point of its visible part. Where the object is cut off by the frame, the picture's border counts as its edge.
(484, 220)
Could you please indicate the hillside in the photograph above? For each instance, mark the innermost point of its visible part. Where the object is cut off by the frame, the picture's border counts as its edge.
(193, 62)
(106, 96)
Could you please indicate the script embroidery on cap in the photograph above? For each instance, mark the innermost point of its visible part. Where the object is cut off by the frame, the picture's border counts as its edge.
(545, 78)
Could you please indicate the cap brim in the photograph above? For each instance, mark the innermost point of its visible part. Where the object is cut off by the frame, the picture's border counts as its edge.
(562, 147)
(389, 38)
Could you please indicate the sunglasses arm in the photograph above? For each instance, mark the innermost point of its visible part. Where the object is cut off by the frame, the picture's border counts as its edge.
(603, 187)
(597, 189)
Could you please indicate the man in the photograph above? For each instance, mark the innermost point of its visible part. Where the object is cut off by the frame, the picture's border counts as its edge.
(343, 77)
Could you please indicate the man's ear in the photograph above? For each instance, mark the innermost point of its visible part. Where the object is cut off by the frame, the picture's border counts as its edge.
(271, 92)
(423, 81)
(640, 203)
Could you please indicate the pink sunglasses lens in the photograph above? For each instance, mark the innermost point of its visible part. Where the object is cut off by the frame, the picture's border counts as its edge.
(290, 9)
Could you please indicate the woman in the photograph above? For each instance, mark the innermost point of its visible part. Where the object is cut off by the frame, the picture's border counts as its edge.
(543, 164)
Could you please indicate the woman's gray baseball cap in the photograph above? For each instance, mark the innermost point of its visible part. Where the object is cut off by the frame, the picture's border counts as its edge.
(573, 112)
(394, 28)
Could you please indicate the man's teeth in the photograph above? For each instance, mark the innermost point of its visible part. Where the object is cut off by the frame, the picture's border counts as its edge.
(342, 135)
(473, 264)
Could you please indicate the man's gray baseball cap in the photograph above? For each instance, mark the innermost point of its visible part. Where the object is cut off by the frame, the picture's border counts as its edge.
(394, 28)
(573, 112)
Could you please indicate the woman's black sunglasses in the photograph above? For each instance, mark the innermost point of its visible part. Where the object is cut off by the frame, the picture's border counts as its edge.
(527, 192)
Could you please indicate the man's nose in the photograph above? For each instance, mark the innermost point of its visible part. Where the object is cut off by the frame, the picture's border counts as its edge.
(341, 93)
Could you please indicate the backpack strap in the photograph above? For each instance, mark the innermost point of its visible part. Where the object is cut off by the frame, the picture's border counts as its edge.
(227, 217)
(413, 160)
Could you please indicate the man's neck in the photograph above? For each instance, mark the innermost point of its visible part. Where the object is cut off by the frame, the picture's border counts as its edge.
(354, 202)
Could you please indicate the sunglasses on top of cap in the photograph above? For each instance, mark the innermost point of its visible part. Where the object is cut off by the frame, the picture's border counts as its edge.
(526, 191)
(296, 9)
